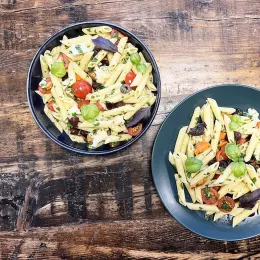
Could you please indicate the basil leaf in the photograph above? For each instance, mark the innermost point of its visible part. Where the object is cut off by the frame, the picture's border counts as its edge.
(233, 152)
(105, 44)
(238, 169)
(193, 164)
(58, 69)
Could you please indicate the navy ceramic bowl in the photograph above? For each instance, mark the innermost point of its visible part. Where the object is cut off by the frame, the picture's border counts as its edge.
(36, 105)
(236, 96)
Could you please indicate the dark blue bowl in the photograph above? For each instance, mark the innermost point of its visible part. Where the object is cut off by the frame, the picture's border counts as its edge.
(36, 105)
(236, 96)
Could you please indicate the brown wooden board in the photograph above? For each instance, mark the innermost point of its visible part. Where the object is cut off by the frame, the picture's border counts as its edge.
(55, 204)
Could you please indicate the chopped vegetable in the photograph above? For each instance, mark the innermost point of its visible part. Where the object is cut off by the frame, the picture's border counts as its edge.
(193, 164)
(226, 204)
(129, 78)
(105, 44)
(238, 169)
(241, 141)
(58, 69)
(141, 68)
(135, 58)
(201, 147)
(50, 105)
(222, 136)
(199, 183)
(233, 152)
(249, 200)
(238, 111)
(141, 115)
(233, 126)
(125, 89)
(198, 129)
(134, 131)
(237, 136)
(89, 112)
(258, 125)
(81, 88)
(100, 107)
(82, 102)
(209, 195)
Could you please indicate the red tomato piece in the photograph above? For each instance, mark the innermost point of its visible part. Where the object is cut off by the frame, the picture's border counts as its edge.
(50, 105)
(217, 188)
(209, 195)
(226, 204)
(81, 88)
(129, 78)
(136, 130)
(82, 102)
(44, 91)
(65, 59)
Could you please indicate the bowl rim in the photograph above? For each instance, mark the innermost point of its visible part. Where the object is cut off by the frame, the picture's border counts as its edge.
(29, 92)
(179, 220)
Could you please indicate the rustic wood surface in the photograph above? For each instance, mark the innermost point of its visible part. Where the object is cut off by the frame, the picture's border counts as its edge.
(55, 204)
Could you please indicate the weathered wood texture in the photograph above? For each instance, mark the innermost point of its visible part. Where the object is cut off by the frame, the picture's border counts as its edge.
(106, 207)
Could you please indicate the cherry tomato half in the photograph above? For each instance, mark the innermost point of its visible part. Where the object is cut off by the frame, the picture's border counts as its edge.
(47, 88)
(209, 195)
(65, 59)
(129, 78)
(100, 107)
(136, 130)
(226, 204)
(81, 88)
(82, 102)
(50, 105)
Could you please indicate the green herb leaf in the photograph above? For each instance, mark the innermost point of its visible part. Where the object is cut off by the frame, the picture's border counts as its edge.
(89, 112)
(233, 152)
(58, 69)
(193, 164)
(135, 58)
(238, 169)
(254, 180)
(78, 48)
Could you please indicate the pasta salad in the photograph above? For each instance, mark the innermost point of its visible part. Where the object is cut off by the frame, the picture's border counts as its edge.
(217, 158)
(97, 87)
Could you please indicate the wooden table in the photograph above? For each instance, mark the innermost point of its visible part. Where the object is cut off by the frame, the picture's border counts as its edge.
(55, 204)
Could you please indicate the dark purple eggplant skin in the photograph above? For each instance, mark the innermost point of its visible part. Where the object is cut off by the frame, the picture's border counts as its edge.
(223, 164)
(114, 105)
(105, 44)
(249, 200)
(198, 129)
(142, 116)
(238, 112)
(237, 136)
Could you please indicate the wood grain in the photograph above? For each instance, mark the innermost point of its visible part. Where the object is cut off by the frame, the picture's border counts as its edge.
(106, 207)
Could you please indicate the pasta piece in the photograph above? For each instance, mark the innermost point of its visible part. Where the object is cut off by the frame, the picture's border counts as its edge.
(253, 175)
(198, 194)
(257, 152)
(60, 104)
(227, 188)
(127, 68)
(83, 64)
(207, 119)
(191, 192)
(240, 190)
(144, 81)
(235, 211)
(76, 40)
(251, 147)
(137, 106)
(109, 57)
(203, 154)
(137, 79)
(48, 58)
(249, 126)
(230, 133)
(190, 149)
(180, 190)
(183, 159)
(117, 111)
(209, 179)
(243, 147)
(81, 73)
(215, 138)
(171, 159)
(208, 158)
(57, 86)
(97, 29)
(45, 97)
(204, 173)
(194, 119)
(249, 183)
(114, 76)
(116, 138)
(71, 74)
(223, 176)
(53, 120)
(227, 110)
(180, 168)
(204, 207)
(180, 139)
(215, 108)
(185, 143)
(44, 67)
(243, 215)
